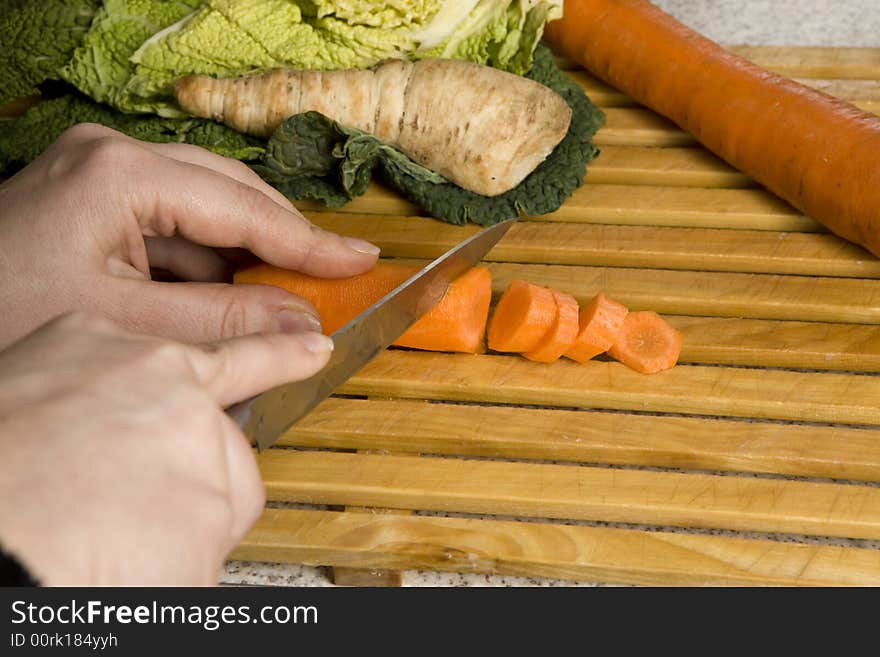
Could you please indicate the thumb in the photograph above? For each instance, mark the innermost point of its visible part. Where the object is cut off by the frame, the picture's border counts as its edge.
(206, 312)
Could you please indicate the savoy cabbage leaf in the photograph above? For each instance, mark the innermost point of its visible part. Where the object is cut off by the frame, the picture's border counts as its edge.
(38, 37)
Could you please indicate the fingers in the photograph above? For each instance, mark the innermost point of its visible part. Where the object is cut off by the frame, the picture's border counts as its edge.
(217, 202)
(191, 262)
(225, 165)
(215, 210)
(204, 312)
(247, 495)
(233, 370)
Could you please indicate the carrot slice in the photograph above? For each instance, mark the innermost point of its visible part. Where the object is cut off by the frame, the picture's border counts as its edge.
(600, 323)
(563, 333)
(524, 314)
(456, 323)
(647, 343)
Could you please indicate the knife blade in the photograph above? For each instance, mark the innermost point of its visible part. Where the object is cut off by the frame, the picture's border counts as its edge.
(265, 417)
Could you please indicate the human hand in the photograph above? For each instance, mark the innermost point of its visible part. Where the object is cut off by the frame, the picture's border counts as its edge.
(118, 465)
(81, 226)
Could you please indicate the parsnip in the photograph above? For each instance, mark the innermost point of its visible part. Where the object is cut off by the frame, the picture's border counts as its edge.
(482, 128)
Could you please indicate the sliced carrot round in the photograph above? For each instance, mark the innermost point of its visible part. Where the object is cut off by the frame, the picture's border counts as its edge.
(524, 314)
(458, 321)
(562, 335)
(600, 323)
(647, 343)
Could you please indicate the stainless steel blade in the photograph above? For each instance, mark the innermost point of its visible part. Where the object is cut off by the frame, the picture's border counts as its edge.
(267, 416)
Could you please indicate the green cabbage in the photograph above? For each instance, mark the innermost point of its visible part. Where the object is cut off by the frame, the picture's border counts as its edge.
(101, 66)
(136, 49)
(38, 37)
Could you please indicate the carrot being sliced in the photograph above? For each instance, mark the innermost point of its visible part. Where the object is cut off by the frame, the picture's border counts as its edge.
(524, 314)
(647, 343)
(563, 333)
(337, 300)
(456, 323)
(600, 324)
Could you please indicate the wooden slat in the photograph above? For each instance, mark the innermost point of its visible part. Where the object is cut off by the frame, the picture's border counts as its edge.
(551, 550)
(669, 167)
(711, 294)
(600, 93)
(591, 437)
(636, 126)
(862, 93)
(619, 246)
(639, 127)
(367, 576)
(765, 343)
(752, 209)
(699, 390)
(815, 62)
(572, 492)
(748, 209)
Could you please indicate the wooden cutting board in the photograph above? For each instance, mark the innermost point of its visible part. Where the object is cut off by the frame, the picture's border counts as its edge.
(756, 461)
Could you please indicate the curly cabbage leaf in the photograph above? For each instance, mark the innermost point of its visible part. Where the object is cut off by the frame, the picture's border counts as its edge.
(39, 37)
(136, 49)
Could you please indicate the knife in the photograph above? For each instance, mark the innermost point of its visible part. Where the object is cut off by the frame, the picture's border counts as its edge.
(265, 417)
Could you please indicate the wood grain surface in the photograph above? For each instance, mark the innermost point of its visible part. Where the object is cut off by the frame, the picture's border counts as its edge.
(755, 461)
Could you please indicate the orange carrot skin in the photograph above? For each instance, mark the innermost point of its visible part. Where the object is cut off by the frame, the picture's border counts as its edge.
(524, 314)
(337, 300)
(600, 323)
(561, 337)
(456, 323)
(647, 343)
(815, 151)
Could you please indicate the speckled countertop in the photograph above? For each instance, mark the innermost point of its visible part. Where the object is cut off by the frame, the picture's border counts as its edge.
(758, 22)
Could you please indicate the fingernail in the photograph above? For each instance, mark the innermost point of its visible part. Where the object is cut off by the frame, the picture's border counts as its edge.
(361, 246)
(317, 343)
(296, 320)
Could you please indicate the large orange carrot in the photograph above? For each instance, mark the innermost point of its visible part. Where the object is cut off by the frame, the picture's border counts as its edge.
(456, 323)
(524, 314)
(599, 323)
(816, 152)
(647, 343)
(563, 333)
